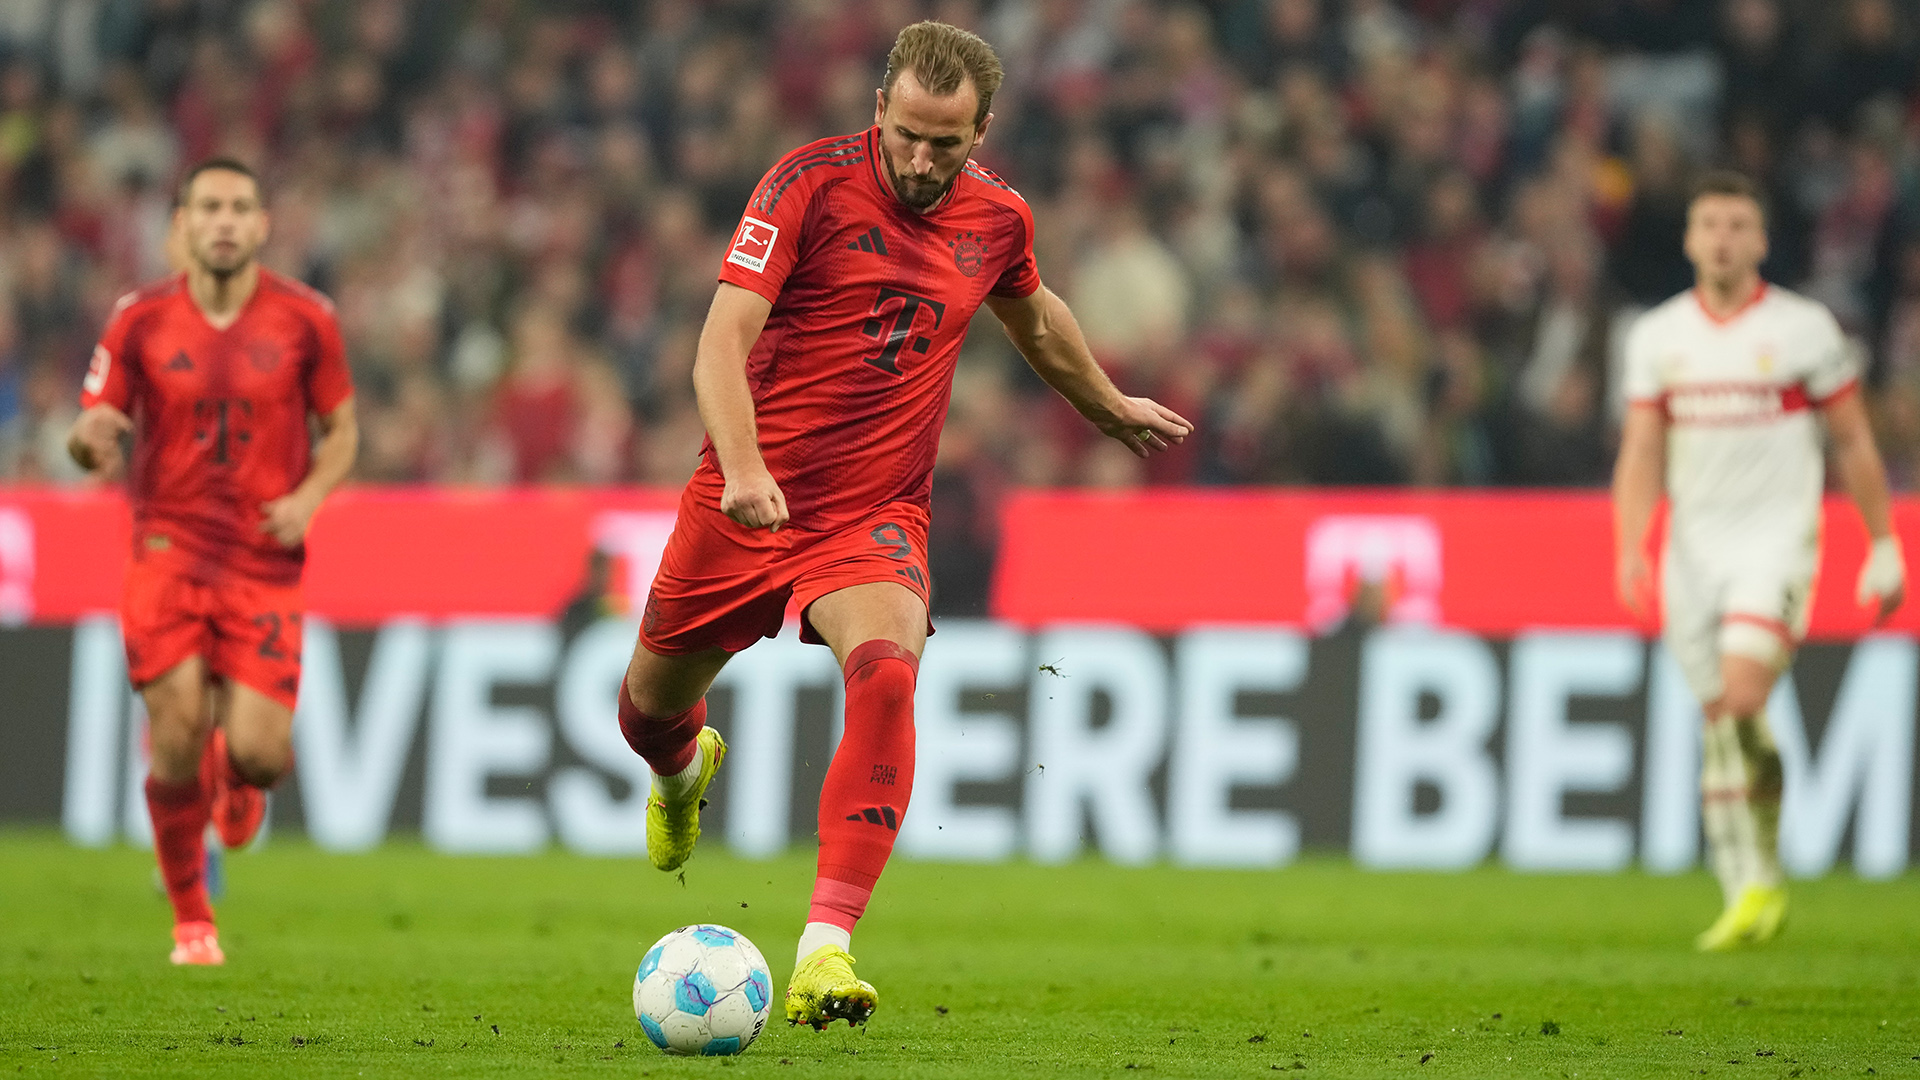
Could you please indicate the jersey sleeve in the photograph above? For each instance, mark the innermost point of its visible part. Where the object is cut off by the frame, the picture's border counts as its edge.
(1831, 367)
(108, 381)
(766, 242)
(1642, 381)
(329, 382)
(1022, 276)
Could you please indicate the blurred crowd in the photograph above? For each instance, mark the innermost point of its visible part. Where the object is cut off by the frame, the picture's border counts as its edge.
(1359, 241)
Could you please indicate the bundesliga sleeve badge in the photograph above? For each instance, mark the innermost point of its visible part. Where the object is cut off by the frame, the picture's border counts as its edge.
(753, 244)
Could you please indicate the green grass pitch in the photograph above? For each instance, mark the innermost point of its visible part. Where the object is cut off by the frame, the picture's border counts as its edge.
(407, 963)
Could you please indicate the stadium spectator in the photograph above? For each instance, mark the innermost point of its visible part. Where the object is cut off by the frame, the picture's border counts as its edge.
(1364, 241)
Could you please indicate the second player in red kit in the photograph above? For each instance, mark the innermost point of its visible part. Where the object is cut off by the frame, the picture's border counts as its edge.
(215, 372)
(823, 377)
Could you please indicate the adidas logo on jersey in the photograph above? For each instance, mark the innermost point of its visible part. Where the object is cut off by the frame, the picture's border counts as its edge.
(180, 362)
(871, 240)
(878, 815)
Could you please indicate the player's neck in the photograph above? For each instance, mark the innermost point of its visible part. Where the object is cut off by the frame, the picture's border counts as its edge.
(220, 297)
(1724, 299)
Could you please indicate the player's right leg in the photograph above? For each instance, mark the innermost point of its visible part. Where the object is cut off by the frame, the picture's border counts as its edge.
(714, 595)
(663, 714)
(164, 618)
(1749, 787)
(1690, 607)
(178, 799)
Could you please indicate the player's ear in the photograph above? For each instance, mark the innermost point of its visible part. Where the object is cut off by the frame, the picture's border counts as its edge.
(980, 131)
(879, 105)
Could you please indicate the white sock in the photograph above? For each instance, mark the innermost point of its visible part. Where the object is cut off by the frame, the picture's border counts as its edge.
(821, 933)
(669, 787)
(1724, 811)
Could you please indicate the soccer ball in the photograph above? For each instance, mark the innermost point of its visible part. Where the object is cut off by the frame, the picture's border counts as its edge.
(703, 990)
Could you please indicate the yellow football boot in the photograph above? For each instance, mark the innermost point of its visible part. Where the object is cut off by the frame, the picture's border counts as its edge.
(673, 825)
(1752, 919)
(824, 989)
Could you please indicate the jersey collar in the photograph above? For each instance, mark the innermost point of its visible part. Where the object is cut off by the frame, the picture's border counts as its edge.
(1759, 293)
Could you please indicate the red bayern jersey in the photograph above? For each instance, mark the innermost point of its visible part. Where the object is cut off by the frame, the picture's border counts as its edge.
(220, 415)
(871, 301)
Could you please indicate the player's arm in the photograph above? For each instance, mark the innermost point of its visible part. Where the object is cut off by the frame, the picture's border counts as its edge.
(751, 497)
(1047, 334)
(288, 516)
(94, 440)
(1883, 580)
(1638, 481)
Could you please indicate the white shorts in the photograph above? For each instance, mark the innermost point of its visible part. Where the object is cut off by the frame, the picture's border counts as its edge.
(1713, 611)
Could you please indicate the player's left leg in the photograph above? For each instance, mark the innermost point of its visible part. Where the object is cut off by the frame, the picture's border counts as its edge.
(877, 631)
(256, 750)
(256, 656)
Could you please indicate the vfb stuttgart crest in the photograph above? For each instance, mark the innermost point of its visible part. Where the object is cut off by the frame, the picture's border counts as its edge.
(969, 252)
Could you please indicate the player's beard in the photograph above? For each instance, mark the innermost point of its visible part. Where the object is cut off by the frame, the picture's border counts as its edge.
(226, 265)
(917, 195)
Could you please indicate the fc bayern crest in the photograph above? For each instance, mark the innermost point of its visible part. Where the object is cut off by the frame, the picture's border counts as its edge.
(263, 355)
(969, 252)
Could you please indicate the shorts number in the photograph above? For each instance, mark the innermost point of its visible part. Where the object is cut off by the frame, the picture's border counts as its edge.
(889, 535)
(271, 647)
(894, 539)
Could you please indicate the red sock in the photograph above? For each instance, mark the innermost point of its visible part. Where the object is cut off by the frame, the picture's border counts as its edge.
(180, 813)
(668, 743)
(868, 784)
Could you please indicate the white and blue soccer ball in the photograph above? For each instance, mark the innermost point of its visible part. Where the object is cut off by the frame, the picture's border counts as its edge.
(703, 990)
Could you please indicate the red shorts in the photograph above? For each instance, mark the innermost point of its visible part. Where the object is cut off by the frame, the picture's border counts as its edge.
(723, 585)
(247, 630)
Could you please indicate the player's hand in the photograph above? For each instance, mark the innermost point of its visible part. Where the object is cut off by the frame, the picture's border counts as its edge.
(288, 517)
(1633, 580)
(94, 441)
(753, 499)
(1143, 425)
(1883, 579)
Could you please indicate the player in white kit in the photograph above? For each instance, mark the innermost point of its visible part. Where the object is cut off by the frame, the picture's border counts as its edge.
(1727, 384)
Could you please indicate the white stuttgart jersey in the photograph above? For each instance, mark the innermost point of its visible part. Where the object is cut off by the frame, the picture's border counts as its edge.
(1745, 466)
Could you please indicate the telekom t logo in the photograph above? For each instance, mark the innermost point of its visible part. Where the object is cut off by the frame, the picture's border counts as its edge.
(1401, 552)
(894, 313)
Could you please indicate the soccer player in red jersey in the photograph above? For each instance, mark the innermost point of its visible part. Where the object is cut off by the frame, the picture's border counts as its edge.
(823, 376)
(214, 372)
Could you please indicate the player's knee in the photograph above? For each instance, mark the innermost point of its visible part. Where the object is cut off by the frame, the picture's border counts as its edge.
(650, 701)
(1743, 699)
(261, 765)
(177, 721)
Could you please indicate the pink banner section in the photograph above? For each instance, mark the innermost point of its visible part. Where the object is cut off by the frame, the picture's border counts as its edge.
(374, 553)
(1495, 563)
